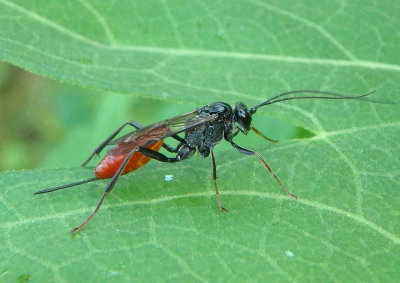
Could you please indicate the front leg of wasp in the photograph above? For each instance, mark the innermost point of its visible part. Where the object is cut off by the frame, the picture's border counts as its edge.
(266, 165)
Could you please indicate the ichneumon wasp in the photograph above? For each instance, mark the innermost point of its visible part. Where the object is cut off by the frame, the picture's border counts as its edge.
(202, 130)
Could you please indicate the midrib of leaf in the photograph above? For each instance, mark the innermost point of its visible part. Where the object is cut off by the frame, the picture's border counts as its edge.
(242, 193)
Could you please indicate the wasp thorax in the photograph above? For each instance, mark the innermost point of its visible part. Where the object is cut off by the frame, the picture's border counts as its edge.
(242, 117)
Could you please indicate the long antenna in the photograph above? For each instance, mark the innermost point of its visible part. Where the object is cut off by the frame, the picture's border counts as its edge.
(329, 95)
(66, 186)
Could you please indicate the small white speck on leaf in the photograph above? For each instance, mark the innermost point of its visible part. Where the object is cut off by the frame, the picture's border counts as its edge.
(289, 254)
(168, 177)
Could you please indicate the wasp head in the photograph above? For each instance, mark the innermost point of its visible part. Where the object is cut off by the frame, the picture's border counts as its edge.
(242, 117)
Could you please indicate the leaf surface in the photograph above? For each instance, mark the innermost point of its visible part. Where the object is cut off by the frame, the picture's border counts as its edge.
(345, 223)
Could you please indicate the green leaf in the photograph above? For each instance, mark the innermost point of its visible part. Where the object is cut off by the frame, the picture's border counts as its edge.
(204, 51)
(345, 223)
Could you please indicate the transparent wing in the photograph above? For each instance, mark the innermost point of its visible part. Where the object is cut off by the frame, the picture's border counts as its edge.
(159, 131)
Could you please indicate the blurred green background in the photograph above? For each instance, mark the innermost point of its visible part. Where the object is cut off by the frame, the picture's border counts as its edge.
(45, 123)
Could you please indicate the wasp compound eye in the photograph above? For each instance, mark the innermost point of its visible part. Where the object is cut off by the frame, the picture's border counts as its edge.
(242, 117)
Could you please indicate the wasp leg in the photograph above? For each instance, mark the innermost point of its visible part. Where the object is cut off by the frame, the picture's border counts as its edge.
(172, 149)
(107, 140)
(187, 152)
(137, 126)
(66, 186)
(215, 182)
(182, 155)
(108, 189)
(262, 135)
(250, 152)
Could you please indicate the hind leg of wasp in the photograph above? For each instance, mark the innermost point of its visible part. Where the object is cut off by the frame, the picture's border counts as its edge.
(145, 151)
(137, 126)
(101, 146)
(108, 189)
(266, 165)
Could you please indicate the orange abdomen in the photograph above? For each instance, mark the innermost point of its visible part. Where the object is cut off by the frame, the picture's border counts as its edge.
(110, 163)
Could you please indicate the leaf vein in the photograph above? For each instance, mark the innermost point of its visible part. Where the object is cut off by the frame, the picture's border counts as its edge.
(320, 206)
